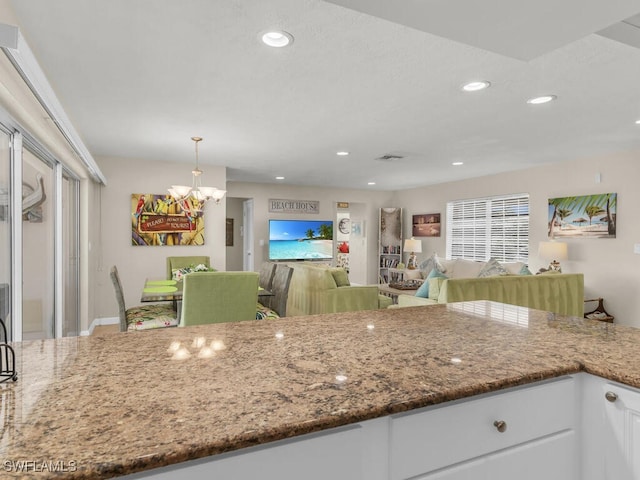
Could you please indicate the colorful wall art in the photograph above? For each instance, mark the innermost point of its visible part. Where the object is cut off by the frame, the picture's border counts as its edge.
(587, 216)
(159, 220)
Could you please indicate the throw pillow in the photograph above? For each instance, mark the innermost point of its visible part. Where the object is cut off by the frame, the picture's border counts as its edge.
(525, 271)
(513, 268)
(492, 269)
(423, 291)
(340, 277)
(433, 262)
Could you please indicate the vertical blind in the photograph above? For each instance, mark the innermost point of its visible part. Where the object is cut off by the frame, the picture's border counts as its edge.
(481, 228)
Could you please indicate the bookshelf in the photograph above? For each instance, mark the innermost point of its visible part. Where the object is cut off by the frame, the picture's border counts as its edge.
(390, 242)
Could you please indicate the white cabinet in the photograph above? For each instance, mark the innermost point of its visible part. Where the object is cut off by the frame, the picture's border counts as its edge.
(537, 422)
(621, 435)
(548, 458)
(351, 452)
(610, 430)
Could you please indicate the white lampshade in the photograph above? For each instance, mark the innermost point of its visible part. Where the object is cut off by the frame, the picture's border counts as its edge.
(207, 192)
(553, 251)
(413, 245)
(180, 190)
(218, 194)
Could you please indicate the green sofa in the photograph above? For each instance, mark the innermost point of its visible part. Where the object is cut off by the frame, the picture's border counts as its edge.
(313, 289)
(559, 293)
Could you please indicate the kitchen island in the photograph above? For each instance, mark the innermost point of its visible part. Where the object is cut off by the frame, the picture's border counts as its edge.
(100, 407)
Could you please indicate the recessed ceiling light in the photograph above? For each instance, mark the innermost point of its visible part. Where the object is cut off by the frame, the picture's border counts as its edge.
(342, 153)
(637, 122)
(476, 86)
(279, 178)
(277, 38)
(371, 183)
(541, 100)
(457, 163)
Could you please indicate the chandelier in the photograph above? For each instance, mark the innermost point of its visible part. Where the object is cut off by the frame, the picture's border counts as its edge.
(192, 198)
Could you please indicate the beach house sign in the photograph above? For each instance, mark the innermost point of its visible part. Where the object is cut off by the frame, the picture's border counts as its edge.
(277, 205)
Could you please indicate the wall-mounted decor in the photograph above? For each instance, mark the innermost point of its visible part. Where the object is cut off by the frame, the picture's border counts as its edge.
(277, 205)
(586, 216)
(32, 200)
(229, 233)
(426, 225)
(357, 228)
(158, 220)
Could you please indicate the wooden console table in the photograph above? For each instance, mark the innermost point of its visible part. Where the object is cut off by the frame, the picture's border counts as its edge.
(599, 313)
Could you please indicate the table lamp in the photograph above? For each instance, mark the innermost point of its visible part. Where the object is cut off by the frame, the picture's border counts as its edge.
(553, 251)
(414, 246)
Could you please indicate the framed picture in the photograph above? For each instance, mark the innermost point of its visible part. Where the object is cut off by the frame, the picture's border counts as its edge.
(158, 220)
(357, 228)
(426, 225)
(586, 216)
(229, 232)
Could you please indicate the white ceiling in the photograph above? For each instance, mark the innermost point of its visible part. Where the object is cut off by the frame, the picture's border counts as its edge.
(138, 78)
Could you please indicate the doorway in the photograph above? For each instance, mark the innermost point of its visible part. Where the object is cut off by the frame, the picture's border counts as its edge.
(247, 239)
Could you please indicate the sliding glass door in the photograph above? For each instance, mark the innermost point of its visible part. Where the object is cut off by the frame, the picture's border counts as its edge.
(39, 241)
(69, 257)
(38, 247)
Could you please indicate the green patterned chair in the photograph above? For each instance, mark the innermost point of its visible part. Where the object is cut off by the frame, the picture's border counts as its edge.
(174, 263)
(216, 297)
(143, 317)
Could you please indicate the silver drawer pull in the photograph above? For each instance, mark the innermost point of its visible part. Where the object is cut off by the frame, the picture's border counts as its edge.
(500, 425)
(612, 397)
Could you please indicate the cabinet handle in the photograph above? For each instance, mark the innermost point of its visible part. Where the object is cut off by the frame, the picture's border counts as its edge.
(612, 397)
(500, 425)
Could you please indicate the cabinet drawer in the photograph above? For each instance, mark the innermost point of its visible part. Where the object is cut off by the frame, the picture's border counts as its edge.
(446, 434)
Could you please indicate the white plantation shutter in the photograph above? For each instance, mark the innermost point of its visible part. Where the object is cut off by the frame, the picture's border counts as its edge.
(481, 228)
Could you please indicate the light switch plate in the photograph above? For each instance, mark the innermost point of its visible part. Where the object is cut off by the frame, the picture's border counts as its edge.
(636, 248)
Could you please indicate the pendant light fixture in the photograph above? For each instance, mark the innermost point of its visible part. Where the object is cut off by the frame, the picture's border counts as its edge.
(193, 198)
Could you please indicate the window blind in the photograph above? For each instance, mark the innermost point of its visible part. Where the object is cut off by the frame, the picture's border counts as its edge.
(481, 228)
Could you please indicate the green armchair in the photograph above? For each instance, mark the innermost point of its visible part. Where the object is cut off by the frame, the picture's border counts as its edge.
(216, 297)
(174, 263)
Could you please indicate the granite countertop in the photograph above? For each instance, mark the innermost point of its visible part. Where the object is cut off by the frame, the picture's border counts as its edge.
(120, 403)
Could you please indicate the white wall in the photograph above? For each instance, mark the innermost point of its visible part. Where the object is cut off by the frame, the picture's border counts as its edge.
(328, 197)
(136, 263)
(611, 269)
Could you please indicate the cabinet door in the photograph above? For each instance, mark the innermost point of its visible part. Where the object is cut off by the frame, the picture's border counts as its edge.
(621, 432)
(549, 458)
(473, 470)
(437, 437)
(334, 455)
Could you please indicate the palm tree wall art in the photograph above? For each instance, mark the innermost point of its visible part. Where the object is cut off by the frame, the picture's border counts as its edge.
(582, 216)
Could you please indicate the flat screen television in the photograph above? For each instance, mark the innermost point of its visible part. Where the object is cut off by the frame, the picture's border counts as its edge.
(300, 240)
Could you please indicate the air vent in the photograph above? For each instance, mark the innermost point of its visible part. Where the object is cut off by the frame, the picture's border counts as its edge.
(390, 157)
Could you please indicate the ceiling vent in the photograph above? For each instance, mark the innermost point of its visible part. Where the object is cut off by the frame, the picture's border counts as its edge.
(390, 157)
